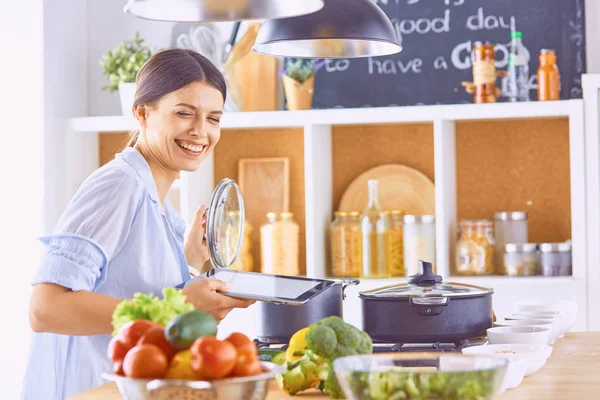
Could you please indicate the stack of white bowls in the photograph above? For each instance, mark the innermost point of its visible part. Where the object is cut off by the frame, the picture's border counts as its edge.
(526, 337)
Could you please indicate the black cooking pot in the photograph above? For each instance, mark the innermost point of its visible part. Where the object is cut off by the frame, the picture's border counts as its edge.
(280, 321)
(425, 310)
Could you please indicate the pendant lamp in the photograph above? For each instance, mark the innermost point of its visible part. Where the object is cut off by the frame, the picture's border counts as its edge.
(219, 10)
(341, 29)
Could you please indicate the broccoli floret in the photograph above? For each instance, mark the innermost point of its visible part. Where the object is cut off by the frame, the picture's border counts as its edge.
(332, 338)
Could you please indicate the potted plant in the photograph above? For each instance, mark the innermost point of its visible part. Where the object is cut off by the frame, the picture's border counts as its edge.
(299, 81)
(121, 66)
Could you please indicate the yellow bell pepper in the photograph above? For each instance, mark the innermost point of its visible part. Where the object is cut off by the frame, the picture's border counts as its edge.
(297, 342)
(179, 367)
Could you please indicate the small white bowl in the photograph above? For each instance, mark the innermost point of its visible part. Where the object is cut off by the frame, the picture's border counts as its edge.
(559, 321)
(569, 307)
(519, 334)
(534, 355)
(554, 326)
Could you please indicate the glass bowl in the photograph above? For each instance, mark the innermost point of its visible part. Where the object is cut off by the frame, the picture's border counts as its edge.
(422, 375)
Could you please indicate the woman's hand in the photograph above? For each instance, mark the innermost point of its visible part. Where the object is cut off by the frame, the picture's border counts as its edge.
(196, 252)
(203, 295)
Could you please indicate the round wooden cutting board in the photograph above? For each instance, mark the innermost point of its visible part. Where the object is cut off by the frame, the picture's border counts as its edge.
(400, 188)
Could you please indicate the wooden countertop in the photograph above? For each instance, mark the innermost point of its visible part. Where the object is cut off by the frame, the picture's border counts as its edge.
(572, 372)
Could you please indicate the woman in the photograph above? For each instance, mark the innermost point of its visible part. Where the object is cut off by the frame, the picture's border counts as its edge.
(119, 234)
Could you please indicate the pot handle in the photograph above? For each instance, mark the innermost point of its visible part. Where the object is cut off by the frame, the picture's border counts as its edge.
(346, 283)
(426, 277)
(429, 305)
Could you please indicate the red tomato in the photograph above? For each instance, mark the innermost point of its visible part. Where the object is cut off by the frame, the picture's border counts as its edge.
(156, 336)
(117, 349)
(131, 332)
(212, 358)
(247, 363)
(146, 361)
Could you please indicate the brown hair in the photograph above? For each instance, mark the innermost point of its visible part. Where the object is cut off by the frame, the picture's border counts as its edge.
(170, 70)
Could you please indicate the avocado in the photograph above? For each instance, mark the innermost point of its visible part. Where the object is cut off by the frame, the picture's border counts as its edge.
(182, 331)
(275, 356)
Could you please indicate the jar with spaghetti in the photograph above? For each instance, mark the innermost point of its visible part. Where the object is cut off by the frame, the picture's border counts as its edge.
(484, 73)
(244, 261)
(345, 246)
(396, 247)
(279, 245)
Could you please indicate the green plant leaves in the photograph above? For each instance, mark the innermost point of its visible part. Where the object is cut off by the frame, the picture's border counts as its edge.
(122, 63)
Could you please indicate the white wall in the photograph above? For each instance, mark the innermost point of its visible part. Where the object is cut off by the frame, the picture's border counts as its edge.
(108, 26)
(21, 113)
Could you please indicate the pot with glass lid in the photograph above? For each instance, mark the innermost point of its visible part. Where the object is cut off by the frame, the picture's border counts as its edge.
(427, 310)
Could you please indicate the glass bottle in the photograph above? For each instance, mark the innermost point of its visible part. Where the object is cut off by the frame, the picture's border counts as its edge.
(484, 73)
(548, 76)
(375, 232)
(518, 69)
(396, 256)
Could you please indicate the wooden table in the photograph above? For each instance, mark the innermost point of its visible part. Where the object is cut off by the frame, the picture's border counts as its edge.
(572, 372)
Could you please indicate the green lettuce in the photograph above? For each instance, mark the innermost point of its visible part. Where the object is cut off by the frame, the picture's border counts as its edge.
(147, 306)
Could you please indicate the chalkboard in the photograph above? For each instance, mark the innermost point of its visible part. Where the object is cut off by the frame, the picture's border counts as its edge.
(437, 38)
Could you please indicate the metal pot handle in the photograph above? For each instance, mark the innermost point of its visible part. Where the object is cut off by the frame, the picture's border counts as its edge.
(346, 283)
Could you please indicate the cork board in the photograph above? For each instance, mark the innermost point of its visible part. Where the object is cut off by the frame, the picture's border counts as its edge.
(110, 144)
(357, 148)
(236, 144)
(516, 165)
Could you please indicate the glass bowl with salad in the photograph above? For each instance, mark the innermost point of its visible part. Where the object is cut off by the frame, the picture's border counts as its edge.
(424, 376)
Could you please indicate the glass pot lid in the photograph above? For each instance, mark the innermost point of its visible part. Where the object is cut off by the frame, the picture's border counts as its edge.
(426, 284)
(225, 224)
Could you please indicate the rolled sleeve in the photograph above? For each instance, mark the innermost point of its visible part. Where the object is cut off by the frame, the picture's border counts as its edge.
(91, 231)
(72, 261)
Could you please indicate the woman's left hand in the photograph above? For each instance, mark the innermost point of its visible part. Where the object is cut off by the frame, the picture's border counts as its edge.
(195, 248)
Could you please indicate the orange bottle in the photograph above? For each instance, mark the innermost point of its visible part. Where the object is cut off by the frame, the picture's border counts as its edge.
(484, 73)
(548, 77)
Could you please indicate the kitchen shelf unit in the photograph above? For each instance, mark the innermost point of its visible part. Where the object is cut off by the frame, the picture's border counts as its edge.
(317, 126)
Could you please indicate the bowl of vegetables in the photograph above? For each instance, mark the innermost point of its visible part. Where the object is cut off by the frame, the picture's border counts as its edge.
(426, 376)
(163, 349)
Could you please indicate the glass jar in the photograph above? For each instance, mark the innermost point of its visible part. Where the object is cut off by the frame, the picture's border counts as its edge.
(396, 247)
(470, 257)
(520, 259)
(419, 242)
(345, 245)
(244, 261)
(279, 245)
(509, 227)
(484, 73)
(374, 232)
(485, 237)
(555, 259)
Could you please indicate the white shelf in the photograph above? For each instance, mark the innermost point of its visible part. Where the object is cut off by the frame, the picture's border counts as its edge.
(380, 115)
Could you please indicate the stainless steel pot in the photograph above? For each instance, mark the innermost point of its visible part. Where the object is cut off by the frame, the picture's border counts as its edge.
(425, 310)
(279, 322)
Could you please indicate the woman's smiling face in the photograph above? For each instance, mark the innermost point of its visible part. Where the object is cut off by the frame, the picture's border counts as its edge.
(181, 130)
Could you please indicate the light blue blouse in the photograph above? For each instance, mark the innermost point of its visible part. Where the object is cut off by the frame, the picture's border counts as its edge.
(115, 239)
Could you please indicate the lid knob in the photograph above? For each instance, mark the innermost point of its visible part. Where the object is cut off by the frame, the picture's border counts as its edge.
(427, 277)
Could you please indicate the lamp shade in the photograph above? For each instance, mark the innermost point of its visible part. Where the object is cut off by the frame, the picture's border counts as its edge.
(341, 29)
(219, 10)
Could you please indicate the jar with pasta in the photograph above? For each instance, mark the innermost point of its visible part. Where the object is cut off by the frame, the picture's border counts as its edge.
(244, 261)
(485, 236)
(279, 245)
(470, 252)
(345, 246)
(396, 247)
